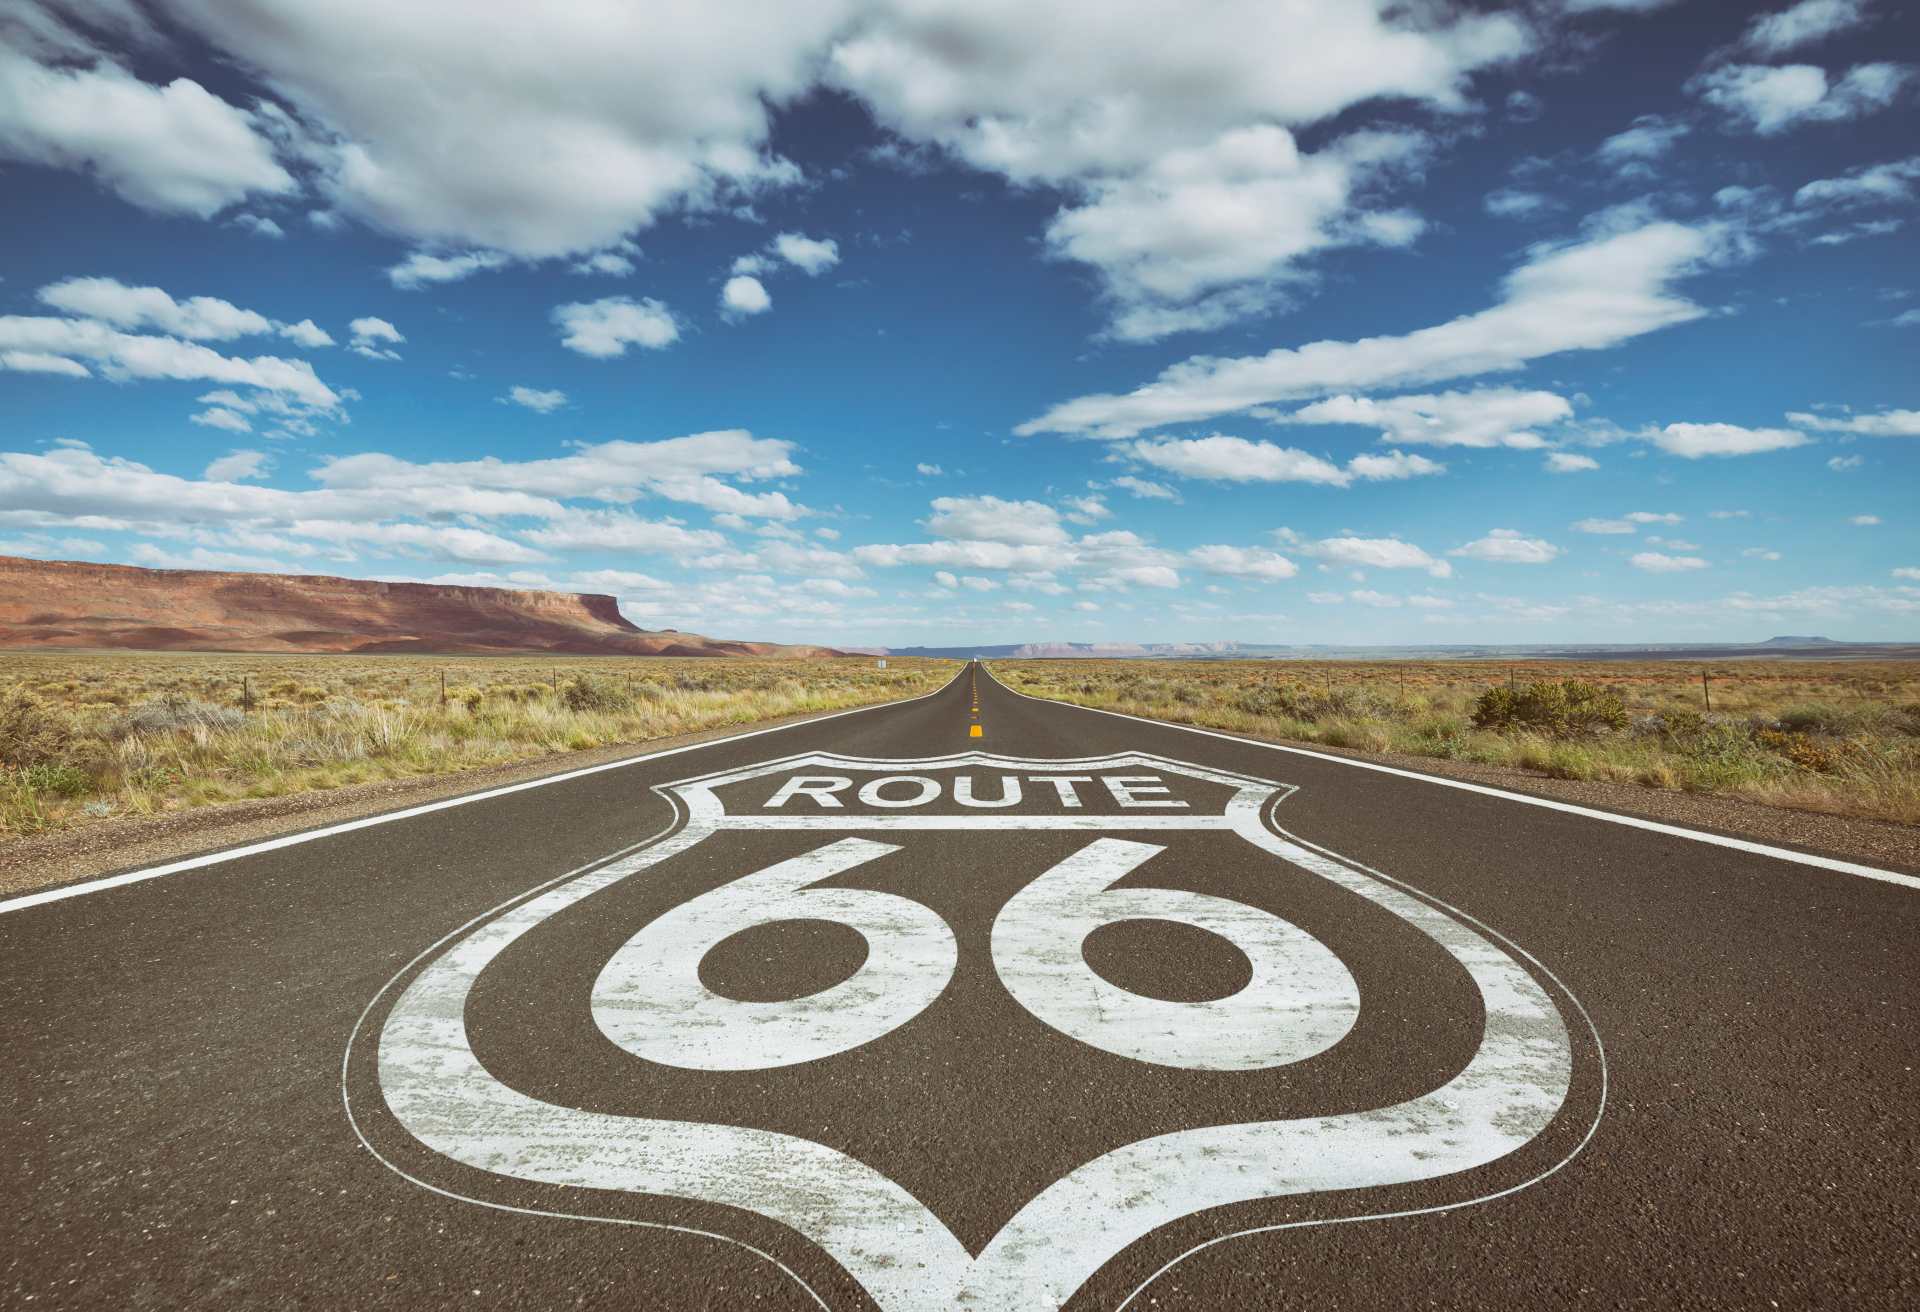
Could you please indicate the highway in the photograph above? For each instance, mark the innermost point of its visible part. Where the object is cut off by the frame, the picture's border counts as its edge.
(969, 1001)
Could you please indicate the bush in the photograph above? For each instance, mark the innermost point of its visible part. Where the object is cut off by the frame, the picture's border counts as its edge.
(30, 733)
(586, 693)
(60, 780)
(171, 716)
(1566, 708)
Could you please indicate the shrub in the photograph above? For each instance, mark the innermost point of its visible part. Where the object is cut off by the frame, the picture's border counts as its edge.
(58, 779)
(1565, 708)
(172, 715)
(30, 732)
(586, 693)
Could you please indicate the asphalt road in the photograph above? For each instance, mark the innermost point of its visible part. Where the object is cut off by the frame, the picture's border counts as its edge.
(1114, 1014)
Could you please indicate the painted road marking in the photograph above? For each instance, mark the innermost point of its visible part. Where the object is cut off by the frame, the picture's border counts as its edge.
(25, 900)
(1569, 808)
(905, 1256)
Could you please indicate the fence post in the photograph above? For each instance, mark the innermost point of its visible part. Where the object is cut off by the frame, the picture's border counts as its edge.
(246, 693)
(1706, 692)
(443, 689)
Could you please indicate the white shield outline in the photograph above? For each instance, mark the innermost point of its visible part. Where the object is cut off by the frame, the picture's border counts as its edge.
(891, 1243)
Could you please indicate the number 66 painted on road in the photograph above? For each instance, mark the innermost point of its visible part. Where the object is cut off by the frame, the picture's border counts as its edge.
(649, 999)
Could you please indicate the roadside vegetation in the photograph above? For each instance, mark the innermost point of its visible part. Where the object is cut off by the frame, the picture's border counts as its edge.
(1835, 737)
(88, 737)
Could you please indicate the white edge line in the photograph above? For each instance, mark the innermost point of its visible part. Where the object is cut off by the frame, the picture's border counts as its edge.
(1631, 821)
(44, 896)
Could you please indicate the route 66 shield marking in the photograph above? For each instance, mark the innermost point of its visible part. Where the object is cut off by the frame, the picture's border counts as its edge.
(1121, 817)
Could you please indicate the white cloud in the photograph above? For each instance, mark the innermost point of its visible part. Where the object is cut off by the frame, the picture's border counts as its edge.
(958, 555)
(28, 342)
(1654, 517)
(1507, 546)
(1694, 441)
(1864, 521)
(812, 256)
(929, 471)
(374, 338)
(1844, 464)
(198, 318)
(220, 417)
(1587, 296)
(1891, 183)
(535, 399)
(605, 328)
(743, 296)
(1887, 423)
(1483, 417)
(422, 268)
(1375, 553)
(237, 466)
(1085, 510)
(259, 225)
(1145, 489)
(1809, 21)
(1237, 460)
(1195, 238)
(1760, 553)
(1568, 462)
(1604, 526)
(1631, 153)
(615, 262)
(177, 148)
(40, 362)
(1772, 99)
(990, 519)
(1243, 562)
(1656, 562)
(1515, 203)
(1907, 572)
(615, 530)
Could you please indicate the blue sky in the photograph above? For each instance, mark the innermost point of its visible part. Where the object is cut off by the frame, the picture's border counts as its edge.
(925, 323)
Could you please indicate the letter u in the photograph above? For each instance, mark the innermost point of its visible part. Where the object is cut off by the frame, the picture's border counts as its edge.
(1009, 791)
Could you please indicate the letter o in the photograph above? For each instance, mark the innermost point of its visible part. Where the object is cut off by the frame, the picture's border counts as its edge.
(929, 789)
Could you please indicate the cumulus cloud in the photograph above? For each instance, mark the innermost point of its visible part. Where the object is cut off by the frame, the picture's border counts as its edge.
(1484, 417)
(1632, 153)
(605, 328)
(1695, 441)
(811, 255)
(1769, 100)
(238, 466)
(535, 399)
(1145, 489)
(374, 338)
(50, 345)
(1772, 35)
(1586, 296)
(1515, 203)
(221, 417)
(1222, 458)
(1890, 183)
(743, 296)
(1569, 462)
(990, 519)
(929, 471)
(423, 268)
(176, 149)
(1656, 562)
(617, 530)
(1507, 546)
(198, 318)
(1375, 553)
(1243, 562)
(1886, 423)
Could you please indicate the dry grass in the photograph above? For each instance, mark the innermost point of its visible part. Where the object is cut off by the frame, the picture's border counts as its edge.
(1841, 738)
(91, 736)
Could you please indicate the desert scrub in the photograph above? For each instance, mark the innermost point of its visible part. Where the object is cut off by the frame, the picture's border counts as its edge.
(1822, 736)
(186, 738)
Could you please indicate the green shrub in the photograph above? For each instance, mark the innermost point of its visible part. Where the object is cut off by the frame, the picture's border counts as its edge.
(1566, 708)
(57, 779)
(586, 693)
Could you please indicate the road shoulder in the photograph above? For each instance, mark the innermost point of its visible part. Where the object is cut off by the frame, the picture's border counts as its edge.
(66, 856)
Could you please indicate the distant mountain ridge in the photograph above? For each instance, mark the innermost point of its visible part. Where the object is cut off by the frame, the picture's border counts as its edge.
(75, 604)
(1811, 648)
